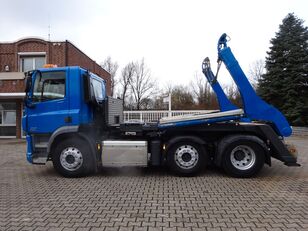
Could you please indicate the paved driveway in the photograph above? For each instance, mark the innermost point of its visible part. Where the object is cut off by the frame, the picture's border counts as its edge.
(36, 198)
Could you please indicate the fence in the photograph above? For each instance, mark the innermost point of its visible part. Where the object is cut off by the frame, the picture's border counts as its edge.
(153, 116)
(300, 131)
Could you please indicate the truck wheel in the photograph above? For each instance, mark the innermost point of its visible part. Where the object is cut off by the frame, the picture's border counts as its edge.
(72, 158)
(243, 158)
(186, 158)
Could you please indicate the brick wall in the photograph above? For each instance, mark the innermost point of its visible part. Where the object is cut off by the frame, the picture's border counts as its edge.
(7, 86)
(59, 53)
(31, 45)
(7, 57)
(9, 52)
(56, 54)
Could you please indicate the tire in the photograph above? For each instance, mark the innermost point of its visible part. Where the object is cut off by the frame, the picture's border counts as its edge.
(73, 158)
(243, 158)
(186, 158)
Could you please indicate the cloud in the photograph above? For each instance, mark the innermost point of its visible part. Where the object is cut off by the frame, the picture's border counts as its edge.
(173, 36)
(35, 16)
(39, 11)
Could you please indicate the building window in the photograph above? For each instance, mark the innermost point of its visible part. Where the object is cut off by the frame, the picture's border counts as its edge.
(31, 60)
(7, 119)
(31, 63)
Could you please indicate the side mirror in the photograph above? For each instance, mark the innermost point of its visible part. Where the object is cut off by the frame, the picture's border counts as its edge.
(28, 86)
(28, 81)
(87, 87)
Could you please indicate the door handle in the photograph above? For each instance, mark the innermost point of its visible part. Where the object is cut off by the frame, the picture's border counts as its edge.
(68, 119)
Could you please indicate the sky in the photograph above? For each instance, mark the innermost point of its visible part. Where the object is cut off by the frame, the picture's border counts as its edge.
(173, 36)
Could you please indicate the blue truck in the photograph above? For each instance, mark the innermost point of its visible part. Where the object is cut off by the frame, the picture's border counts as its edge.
(69, 120)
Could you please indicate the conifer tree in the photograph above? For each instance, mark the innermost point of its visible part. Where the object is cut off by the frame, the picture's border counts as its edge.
(285, 83)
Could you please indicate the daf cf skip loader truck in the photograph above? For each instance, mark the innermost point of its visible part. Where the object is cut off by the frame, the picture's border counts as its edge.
(69, 120)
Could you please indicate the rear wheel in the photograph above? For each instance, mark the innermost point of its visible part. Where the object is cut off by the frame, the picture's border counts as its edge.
(73, 158)
(186, 158)
(243, 158)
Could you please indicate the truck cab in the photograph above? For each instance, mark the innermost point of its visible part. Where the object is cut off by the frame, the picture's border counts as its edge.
(58, 102)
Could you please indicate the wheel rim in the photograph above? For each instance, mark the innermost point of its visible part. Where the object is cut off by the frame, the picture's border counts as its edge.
(186, 156)
(71, 158)
(243, 157)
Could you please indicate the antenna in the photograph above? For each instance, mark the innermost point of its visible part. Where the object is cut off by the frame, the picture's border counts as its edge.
(49, 32)
(49, 27)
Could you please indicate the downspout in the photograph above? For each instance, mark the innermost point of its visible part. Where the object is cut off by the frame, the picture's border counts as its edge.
(66, 53)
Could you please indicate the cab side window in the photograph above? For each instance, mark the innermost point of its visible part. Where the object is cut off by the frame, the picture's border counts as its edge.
(98, 89)
(49, 86)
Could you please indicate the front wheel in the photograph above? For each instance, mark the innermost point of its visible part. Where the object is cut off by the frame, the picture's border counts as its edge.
(186, 158)
(72, 158)
(243, 158)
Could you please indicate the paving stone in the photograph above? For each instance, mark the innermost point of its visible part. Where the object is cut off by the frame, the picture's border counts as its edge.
(34, 197)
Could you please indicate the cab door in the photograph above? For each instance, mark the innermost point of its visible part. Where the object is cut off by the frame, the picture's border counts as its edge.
(49, 103)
